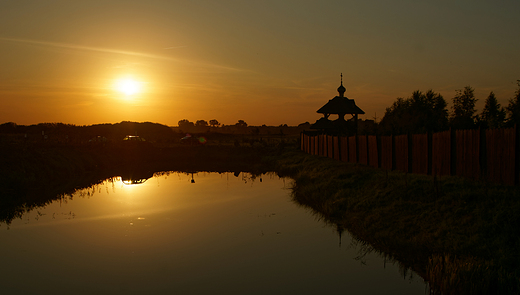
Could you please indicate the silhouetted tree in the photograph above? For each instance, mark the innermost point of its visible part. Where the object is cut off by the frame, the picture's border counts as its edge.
(201, 123)
(513, 109)
(463, 115)
(493, 115)
(241, 123)
(214, 123)
(422, 112)
(184, 124)
(396, 117)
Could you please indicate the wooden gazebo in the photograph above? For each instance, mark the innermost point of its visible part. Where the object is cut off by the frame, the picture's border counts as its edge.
(341, 106)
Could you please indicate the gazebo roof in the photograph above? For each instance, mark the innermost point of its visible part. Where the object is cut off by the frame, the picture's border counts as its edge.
(340, 105)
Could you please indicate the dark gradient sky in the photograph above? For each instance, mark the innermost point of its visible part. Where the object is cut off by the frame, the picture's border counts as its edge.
(265, 62)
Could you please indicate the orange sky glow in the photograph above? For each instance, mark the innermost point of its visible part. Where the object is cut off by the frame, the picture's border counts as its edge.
(271, 62)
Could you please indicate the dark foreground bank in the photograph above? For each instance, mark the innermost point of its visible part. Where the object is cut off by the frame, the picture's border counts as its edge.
(461, 236)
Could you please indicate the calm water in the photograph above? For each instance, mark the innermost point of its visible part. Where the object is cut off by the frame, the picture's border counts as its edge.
(221, 234)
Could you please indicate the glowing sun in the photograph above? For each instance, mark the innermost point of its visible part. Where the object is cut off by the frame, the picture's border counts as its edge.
(128, 86)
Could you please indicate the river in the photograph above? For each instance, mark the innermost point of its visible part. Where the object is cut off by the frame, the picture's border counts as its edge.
(183, 233)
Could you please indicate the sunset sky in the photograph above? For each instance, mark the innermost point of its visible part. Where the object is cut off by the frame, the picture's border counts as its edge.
(264, 62)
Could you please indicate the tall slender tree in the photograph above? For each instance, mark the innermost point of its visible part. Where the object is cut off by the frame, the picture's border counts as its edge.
(493, 115)
(463, 109)
(513, 109)
(438, 119)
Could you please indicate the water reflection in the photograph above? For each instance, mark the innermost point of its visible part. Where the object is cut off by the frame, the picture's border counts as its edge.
(139, 177)
(229, 233)
(405, 265)
(134, 181)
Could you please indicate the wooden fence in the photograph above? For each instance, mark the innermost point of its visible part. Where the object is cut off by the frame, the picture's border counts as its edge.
(491, 154)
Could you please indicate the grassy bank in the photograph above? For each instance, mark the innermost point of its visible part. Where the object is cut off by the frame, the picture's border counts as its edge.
(462, 236)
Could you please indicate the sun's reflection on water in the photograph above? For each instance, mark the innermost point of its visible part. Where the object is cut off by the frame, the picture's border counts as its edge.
(196, 237)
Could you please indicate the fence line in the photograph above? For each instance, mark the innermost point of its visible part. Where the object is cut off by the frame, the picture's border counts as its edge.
(401, 152)
(491, 154)
(420, 153)
(373, 151)
(441, 153)
(352, 149)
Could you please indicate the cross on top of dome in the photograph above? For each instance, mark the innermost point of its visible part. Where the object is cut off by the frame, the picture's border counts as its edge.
(341, 88)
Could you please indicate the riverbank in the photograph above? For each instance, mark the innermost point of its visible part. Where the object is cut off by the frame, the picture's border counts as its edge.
(33, 174)
(462, 236)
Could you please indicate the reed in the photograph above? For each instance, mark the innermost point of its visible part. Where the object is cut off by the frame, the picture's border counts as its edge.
(469, 275)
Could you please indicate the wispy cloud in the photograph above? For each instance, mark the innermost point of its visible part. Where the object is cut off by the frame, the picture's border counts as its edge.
(86, 48)
(121, 52)
(175, 47)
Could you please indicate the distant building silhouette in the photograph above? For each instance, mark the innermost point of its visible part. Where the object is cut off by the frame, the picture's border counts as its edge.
(341, 106)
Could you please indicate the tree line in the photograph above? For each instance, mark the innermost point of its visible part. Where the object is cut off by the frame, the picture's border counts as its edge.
(186, 124)
(428, 112)
(73, 133)
(241, 127)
